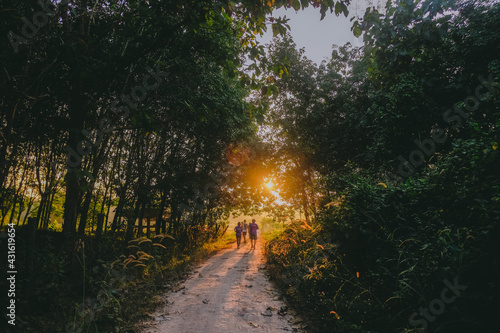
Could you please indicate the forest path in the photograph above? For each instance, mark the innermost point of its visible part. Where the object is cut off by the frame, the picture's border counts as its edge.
(229, 292)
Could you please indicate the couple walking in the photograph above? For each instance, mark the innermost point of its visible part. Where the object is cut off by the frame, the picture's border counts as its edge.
(242, 229)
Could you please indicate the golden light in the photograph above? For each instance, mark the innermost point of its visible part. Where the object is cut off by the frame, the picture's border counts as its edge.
(269, 184)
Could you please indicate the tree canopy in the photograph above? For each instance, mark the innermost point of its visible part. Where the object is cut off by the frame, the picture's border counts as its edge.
(119, 112)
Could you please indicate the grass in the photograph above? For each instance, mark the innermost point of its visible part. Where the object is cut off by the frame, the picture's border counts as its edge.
(178, 269)
(110, 296)
(271, 228)
(221, 243)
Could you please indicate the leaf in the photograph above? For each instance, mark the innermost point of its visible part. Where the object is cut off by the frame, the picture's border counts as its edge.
(88, 174)
(263, 90)
(305, 224)
(168, 236)
(324, 8)
(338, 8)
(345, 9)
(132, 261)
(259, 118)
(145, 257)
(357, 31)
(276, 30)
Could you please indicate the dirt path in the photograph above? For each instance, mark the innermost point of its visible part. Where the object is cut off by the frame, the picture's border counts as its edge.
(227, 293)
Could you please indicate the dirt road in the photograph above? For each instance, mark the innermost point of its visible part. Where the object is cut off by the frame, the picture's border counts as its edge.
(228, 293)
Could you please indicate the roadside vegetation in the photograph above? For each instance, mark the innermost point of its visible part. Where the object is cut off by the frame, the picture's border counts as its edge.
(131, 130)
(395, 156)
(105, 285)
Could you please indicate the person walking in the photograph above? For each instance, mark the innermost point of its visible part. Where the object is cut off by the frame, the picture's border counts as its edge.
(238, 229)
(253, 233)
(245, 227)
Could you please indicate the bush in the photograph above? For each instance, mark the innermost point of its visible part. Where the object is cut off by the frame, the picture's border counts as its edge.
(377, 252)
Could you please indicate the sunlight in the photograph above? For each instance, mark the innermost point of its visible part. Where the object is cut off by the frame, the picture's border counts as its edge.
(274, 191)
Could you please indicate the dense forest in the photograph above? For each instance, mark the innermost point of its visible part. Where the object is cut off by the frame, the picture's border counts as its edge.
(130, 131)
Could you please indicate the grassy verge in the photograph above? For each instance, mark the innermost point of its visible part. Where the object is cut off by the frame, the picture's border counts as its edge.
(383, 258)
(293, 252)
(271, 229)
(151, 295)
(105, 286)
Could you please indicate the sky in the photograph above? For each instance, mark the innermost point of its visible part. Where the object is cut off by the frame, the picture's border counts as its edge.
(317, 36)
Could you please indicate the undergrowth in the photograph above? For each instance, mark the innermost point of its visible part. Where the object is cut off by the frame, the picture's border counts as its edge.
(86, 285)
(381, 257)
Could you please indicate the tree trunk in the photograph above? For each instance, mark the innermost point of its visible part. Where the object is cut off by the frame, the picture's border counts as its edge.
(100, 223)
(122, 195)
(160, 222)
(4, 163)
(131, 222)
(148, 227)
(72, 191)
(106, 222)
(77, 115)
(85, 210)
(30, 204)
(16, 196)
(140, 230)
(94, 220)
(30, 258)
(48, 210)
(41, 210)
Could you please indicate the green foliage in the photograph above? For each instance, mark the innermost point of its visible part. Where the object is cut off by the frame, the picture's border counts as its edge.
(370, 249)
(390, 243)
(104, 285)
(403, 240)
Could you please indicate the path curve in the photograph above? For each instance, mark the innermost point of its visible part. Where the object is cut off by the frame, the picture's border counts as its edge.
(229, 292)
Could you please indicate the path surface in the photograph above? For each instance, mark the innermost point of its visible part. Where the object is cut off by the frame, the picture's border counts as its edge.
(227, 293)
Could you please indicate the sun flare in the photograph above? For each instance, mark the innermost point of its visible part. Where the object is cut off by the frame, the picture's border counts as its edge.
(269, 184)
